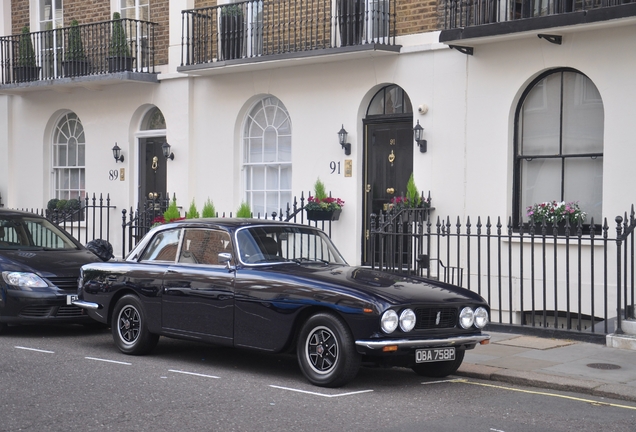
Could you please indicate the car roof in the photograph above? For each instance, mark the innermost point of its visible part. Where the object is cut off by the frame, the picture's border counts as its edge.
(232, 223)
(20, 213)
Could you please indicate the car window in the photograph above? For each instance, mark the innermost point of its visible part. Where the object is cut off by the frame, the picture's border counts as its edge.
(202, 246)
(271, 244)
(27, 232)
(163, 247)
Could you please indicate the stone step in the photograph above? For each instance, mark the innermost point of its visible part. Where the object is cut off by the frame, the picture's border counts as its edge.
(625, 340)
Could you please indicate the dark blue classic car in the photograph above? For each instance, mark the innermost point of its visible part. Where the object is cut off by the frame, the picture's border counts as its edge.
(277, 286)
(39, 267)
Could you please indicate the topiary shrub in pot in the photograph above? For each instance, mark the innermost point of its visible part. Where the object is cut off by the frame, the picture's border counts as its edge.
(231, 31)
(75, 62)
(25, 66)
(120, 59)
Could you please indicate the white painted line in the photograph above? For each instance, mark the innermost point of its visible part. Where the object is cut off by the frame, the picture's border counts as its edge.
(33, 349)
(320, 394)
(193, 373)
(444, 381)
(108, 361)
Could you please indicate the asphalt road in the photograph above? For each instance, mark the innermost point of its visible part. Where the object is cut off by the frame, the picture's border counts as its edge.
(70, 378)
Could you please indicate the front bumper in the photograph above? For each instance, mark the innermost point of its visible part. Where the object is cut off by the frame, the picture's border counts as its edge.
(27, 307)
(376, 346)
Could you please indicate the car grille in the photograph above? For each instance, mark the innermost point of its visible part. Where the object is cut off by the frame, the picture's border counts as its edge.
(427, 318)
(51, 312)
(66, 284)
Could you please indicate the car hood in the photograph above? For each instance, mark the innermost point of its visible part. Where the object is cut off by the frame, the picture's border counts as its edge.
(46, 263)
(393, 288)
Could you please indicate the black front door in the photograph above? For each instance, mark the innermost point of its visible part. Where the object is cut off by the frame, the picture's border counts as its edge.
(388, 164)
(152, 169)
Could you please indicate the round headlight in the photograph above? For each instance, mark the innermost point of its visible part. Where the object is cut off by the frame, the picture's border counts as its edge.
(481, 317)
(407, 320)
(389, 321)
(466, 317)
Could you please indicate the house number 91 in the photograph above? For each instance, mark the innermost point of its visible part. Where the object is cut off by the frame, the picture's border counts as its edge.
(335, 166)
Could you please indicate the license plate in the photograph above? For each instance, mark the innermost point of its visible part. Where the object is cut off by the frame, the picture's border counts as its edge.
(429, 355)
(70, 299)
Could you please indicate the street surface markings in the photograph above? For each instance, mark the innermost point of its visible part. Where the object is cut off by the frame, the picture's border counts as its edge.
(320, 394)
(590, 401)
(34, 349)
(443, 381)
(108, 361)
(193, 373)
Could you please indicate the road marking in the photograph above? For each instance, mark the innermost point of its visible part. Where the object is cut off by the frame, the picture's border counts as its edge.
(193, 373)
(320, 394)
(34, 349)
(590, 401)
(443, 381)
(108, 361)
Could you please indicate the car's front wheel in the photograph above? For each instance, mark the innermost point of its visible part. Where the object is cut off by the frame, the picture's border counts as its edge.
(129, 327)
(326, 351)
(440, 369)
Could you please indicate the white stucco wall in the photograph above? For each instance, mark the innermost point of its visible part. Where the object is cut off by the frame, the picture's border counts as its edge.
(471, 101)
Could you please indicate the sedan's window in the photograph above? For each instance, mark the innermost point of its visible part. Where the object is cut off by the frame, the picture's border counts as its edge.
(272, 244)
(203, 246)
(32, 233)
(163, 247)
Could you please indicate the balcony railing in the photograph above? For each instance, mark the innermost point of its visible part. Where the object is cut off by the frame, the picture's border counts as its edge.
(260, 28)
(466, 13)
(84, 50)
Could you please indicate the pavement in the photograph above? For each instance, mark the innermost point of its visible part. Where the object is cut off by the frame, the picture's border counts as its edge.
(555, 364)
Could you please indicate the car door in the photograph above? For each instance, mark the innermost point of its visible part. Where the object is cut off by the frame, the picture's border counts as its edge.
(198, 292)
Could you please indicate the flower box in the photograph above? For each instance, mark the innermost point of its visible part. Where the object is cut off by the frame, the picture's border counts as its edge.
(324, 215)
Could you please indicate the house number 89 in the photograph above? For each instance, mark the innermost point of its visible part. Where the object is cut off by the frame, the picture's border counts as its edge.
(113, 175)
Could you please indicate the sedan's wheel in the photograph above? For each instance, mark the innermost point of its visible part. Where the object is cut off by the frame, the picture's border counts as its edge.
(129, 327)
(440, 369)
(326, 351)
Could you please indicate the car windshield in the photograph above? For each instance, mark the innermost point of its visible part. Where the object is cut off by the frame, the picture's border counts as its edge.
(32, 233)
(281, 244)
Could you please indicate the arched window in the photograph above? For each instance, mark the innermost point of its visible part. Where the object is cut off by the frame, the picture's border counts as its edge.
(559, 144)
(69, 153)
(267, 157)
(390, 100)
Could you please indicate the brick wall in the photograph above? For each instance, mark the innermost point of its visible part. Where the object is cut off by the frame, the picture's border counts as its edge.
(91, 11)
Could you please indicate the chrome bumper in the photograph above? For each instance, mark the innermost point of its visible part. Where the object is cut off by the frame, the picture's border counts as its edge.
(86, 305)
(423, 343)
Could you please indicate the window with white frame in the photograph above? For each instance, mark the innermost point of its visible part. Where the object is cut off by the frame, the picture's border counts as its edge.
(267, 157)
(559, 144)
(136, 10)
(69, 155)
(51, 43)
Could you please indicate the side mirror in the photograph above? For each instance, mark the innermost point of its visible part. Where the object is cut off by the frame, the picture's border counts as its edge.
(226, 258)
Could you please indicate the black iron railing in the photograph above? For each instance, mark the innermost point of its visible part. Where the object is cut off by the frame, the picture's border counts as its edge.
(89, 49)
(556, 278)
(258, 28)
(466, 13)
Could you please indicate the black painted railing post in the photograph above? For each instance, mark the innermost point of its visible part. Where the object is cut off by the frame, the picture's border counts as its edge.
(619, 241)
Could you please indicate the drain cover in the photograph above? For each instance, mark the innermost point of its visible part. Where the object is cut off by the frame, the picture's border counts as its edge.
(604, 366)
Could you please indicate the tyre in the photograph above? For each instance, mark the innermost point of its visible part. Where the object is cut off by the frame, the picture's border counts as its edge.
(129, 328)
(326, 351)
(440, 369)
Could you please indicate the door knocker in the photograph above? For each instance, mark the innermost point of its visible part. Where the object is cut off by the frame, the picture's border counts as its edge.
(391, 157)
(155, 163)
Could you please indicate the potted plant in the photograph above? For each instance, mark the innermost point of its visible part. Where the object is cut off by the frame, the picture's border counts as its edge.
(75, 62)
(351, 21)
(554, 214)
(119, 59)
(25, 67)
(208, 209)
(231, 31)
(321, 207)
(244, 211)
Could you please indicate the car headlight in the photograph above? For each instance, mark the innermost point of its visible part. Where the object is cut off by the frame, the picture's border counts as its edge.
(481, 317)
(23, 279)
(389, 321)
(407, 320)
(466, 318)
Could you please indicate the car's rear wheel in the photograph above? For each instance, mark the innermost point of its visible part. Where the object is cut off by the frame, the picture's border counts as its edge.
(440, 369)
(129, 327)
(326, 351)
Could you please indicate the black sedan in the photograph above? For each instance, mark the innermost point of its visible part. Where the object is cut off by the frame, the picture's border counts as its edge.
(39, 267)
(274, 286)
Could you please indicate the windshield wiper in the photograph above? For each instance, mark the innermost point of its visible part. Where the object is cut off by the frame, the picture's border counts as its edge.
(301, 260)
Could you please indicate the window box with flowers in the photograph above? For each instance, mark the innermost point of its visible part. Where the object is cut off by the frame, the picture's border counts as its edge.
(555, 215)
(321, 207)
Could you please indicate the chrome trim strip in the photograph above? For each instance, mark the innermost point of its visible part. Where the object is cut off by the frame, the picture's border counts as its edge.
(86, 305)
(422, 343)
